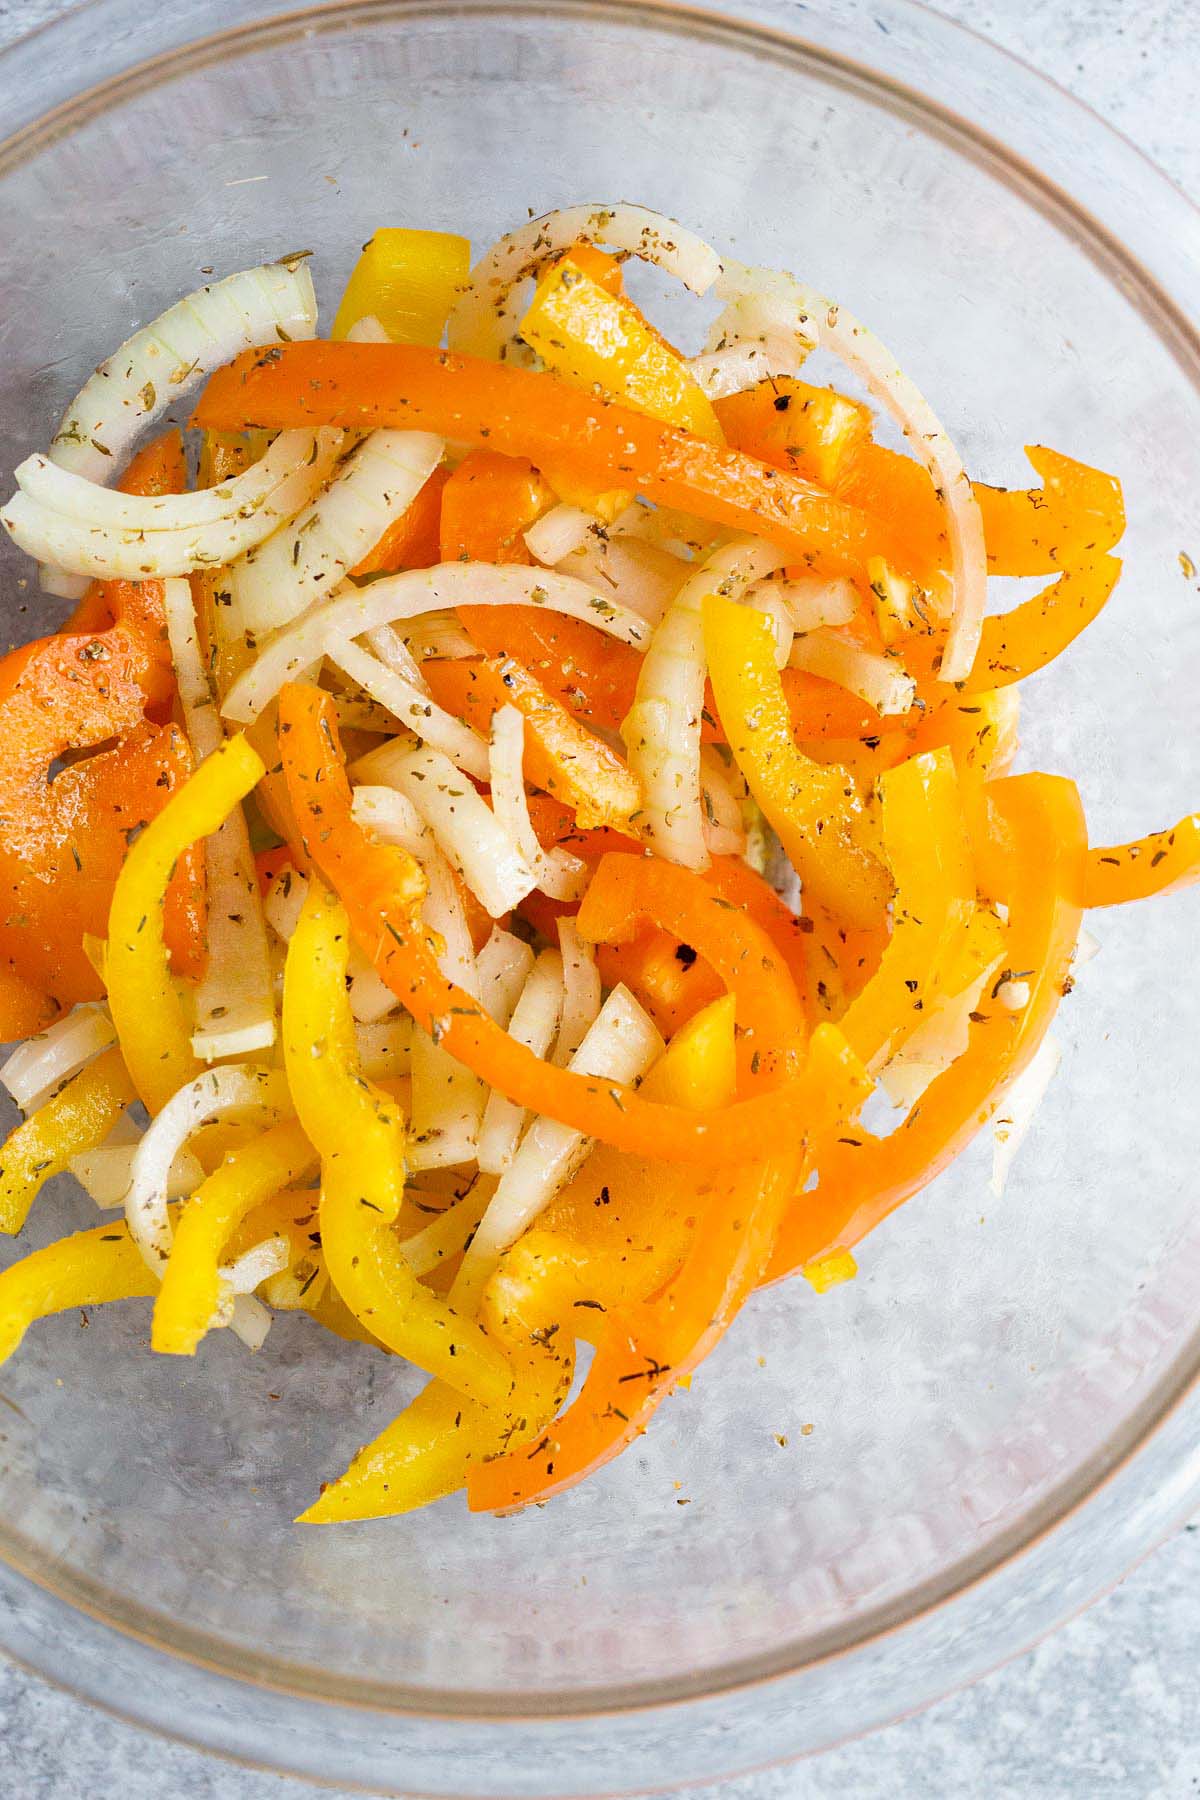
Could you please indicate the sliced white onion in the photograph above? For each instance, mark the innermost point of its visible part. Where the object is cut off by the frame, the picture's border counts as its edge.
(502, 967)
(306, 559)
(250, 1321)
(534, 1023)
(409, 702)
(1011, 1125)
(681, 534)
(156, 536)
(563, 529)
(106, 1172)
(620, 1046)
(808, 600)
(384, 810)
(43, 1063)
(467, 831)
(355, 611)
(385, 1047)
(1086, 946)
(368, 330)
(937, 1042)
(450, 1233)
(555, 872)
(632, 571)
(484, 320)
(741, 365)
(780, 304)
(724, 830)
(581, 992)
(766, 601)
(239, 1089)
(439, 634)
(235, 997)
(284, 902)
(880, 681)
(370, 997)
(662, 729)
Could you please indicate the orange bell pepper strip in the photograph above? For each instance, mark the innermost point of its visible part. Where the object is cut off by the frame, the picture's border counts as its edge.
(737, 883)
(666, 975)
(1075, 515)
(648, 1348)
(593, 675)
(525, 413)
(1018, 643)
(820, 709)
(381, 888)
(812, 431)
(812, 807)
(560, 755)
(897, 493)
(488, 504)
(862, 1177)
(77, 1118)
(413, 541)
(23, 1010)
(1160, 863)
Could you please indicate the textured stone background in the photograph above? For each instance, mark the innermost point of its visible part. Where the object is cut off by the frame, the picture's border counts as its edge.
(1110, 1706)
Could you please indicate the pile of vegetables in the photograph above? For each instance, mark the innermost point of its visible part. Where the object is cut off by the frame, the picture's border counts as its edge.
(477, 846)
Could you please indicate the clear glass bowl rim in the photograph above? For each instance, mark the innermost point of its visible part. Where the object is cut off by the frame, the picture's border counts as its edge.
(1147, 1477)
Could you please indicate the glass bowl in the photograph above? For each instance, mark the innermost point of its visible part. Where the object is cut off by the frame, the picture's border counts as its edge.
(997, 1417)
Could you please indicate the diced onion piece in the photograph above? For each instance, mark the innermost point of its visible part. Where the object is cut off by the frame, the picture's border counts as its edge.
(412, 705)
(367, 330)
(766, 601)
(636, 573)
(556, 872)
(439, 634)
(808, 600)
(581, 992)
(42, 1063)
(467, 831)
(235, 997)
(250, 1321)
(620, 1046)
(558, 532)
(449, 1234)
(385, 1047)
(306, 559)
(1011, 1125)
(662, 729)
(944, 1035)
(880, 681)
(106, 1172)
(534, 1023)
(370, 997)
(355, 611)
(158, 538)
(719, 373)
(768, 305)
(485, 320)
(284, 902)
(237, 1089)
(502, 967)
(1086, 946)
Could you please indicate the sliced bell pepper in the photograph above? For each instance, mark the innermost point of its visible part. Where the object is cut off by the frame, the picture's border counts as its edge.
(864, 1177)
(811, 431)
(841, 960)
(23, 1010)
(561, 756)
(190, 1294)
(381, 887)
(413, 541)
(75, 1119)
(525, 413)
(813, 808)
(153, 1026)
(488, 504)
(359, 1132)
(86, 1269)
(897, 493)
(408, 280)
(666, 975)
(1075, 515)
(587, 671)
(1160, 863)
(1018, 643)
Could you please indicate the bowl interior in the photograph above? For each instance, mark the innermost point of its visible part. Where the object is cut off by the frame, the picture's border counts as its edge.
(840, 1456)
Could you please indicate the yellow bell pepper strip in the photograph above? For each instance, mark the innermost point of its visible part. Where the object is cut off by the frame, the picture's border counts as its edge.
(526, 413)
(488, 504)
(152, 1023)
(86, 1269)
(812, 431)
(600, 342)
(930, 859)
(624, 1248)
(560, 755)
(812, 807)
(408, 280)
(1020, 642)
(189, 1297)
(381, 886)
(76, 1119)
(1160, 863)
(863, 1177)
(359, 1132)
(1076, 514)
(649, 1348)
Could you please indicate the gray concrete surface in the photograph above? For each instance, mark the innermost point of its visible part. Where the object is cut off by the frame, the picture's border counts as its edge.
(1109, 1706)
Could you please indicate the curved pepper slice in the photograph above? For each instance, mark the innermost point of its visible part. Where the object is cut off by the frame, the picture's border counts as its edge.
(863, 1177)
(407, 280)
(524, 413)
(813, 431)
(413, 541)
(359, 1132)
(812, 807)
(380, 887)
(86, 1269)
(1077, 513)
(488, 504)
(1022, 641)
(152, 1023)
(588, 672)
(1159, 863)
(75, 1119)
